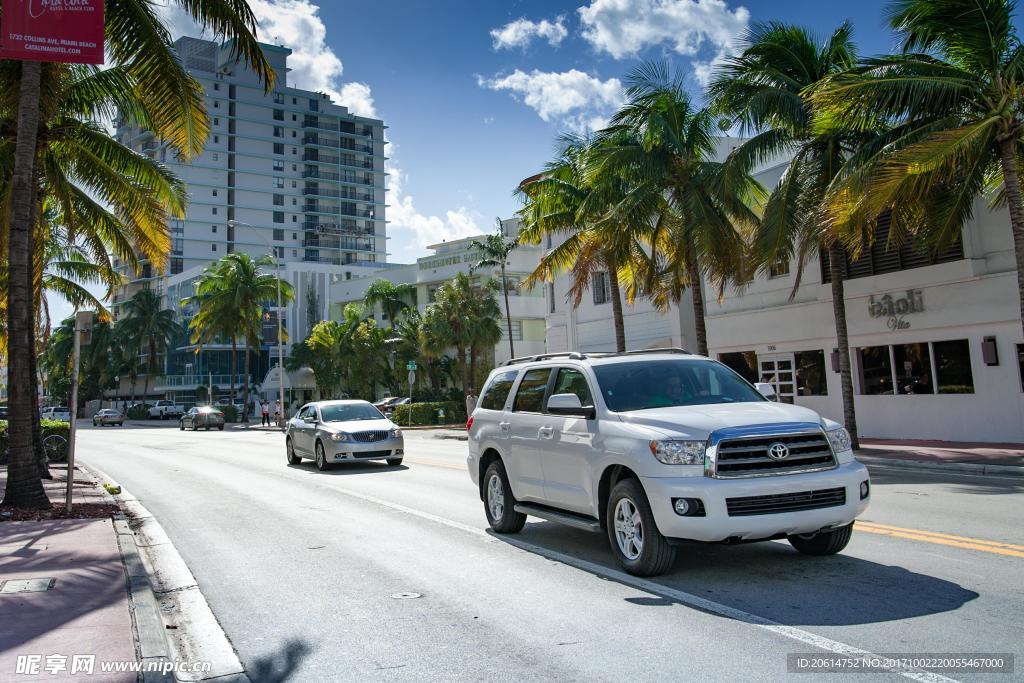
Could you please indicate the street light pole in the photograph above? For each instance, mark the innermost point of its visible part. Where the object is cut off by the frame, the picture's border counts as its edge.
(280, 331)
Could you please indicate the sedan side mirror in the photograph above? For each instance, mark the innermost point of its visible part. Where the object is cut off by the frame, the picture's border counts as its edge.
(569, 404)
(310, 419)
(766, 389)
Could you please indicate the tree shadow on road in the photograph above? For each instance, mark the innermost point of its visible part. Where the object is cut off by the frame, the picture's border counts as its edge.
(281, 666)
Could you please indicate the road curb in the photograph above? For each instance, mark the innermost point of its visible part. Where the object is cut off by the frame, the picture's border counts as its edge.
(452, 437)
(967, 467)
(173, 620)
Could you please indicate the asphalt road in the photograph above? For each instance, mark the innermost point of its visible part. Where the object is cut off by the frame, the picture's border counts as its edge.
(302, 570)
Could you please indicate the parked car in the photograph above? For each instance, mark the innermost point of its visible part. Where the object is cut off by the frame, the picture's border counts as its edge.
(340, 431)
(206, 417)
(657, 449)
(108, 416)
(59, 413)
(165, 409)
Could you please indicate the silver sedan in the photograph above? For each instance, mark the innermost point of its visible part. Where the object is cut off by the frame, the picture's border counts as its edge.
(342, 431)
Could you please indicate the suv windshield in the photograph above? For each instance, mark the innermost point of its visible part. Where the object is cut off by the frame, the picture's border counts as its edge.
(639, 385)
(351, 411)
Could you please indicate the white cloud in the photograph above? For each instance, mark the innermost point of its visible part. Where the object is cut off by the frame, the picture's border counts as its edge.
(702, 29)
(414, 230)
(521, 32)
(571, 98)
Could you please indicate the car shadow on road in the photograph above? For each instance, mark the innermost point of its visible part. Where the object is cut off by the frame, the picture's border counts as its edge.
(346, 469)
(769, 579)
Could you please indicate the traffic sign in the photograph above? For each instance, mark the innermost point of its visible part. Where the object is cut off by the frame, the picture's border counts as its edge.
(411, 365)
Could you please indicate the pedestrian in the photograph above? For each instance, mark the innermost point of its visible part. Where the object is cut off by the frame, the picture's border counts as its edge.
(277, 412)
(470, 402)
(265, 409)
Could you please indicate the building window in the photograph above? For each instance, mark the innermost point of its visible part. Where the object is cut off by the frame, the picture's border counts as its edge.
(279, 252)
(278, 234)
(778, 269)
(278, 148)
(278, 164)
(295, 134)
(216, 157)
(215, 193)
(215, 211)
(279, 98)
(551, 297)
(177, 265)
(216, 86)
(743, 363)
(216, 139)
(953, 367)
(279, 216)
(213, 229)
(213, 247)
(875, 370)
(517, 330)
(216, 104)
(601, 288)
(295, 201)
(278, 200)
(279, 114)
(279, 183)
(295, 219)
(810, 373)
(216, 121)
(278, 132)
(913, 366)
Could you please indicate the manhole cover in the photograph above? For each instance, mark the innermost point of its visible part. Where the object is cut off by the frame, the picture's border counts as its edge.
(405, 596)
(27, 585)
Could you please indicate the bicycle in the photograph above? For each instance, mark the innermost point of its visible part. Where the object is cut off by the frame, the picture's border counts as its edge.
(55, 446)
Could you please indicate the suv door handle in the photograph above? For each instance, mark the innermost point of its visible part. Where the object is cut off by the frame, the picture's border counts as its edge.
(505, 426)
(546, 432)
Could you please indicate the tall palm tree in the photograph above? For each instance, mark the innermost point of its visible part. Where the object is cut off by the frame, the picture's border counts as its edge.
(955, 89)
(149, 328)
(392, 298)
(665, 146)
(216, 316)
(495, 249)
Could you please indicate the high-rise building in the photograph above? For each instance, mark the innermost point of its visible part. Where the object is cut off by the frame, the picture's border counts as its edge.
(287, 172)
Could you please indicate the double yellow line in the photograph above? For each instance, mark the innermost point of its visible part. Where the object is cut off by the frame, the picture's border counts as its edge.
(964, 542)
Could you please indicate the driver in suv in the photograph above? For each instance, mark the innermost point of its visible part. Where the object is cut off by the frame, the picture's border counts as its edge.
(656, 448)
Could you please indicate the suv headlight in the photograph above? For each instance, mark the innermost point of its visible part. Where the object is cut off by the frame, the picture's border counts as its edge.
(679, 452)
(395, 433)
(340, 436)
(839, 439)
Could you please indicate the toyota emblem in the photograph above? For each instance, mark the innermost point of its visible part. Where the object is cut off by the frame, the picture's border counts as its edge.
(778, 451)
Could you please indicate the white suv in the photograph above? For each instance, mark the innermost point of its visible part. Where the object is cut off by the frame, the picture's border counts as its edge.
(658, 448)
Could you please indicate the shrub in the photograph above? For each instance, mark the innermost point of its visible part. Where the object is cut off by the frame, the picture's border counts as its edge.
(427, 413)
(138, 412)
(230, 412)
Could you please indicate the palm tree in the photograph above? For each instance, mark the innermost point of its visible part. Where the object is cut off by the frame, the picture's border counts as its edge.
(955, 90)
(765, 89)
(149, 328)
(393, 298)
(665, 147)
(236, 286)
(495, 250)
(216, 316)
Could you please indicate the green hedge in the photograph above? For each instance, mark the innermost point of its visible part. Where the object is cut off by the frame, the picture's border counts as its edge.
(230, 412)
(427, 413)
(138, 412)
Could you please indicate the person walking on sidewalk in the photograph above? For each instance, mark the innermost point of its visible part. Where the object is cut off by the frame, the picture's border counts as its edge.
(277, 412)
(265, 410)
(471, 400)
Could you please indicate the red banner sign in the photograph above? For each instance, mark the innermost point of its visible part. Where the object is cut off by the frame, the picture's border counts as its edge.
(52, 31)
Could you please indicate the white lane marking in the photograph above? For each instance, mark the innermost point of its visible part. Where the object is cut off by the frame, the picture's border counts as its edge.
(679, 596)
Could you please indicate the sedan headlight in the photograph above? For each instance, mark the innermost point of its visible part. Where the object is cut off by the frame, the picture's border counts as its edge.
(838, 439)
(395, 433)
(340, 436)
(679, 452)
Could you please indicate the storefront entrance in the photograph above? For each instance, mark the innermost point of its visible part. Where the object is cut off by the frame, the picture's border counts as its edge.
(777, 370)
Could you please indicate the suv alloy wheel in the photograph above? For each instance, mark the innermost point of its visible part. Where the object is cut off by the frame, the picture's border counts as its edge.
(499, 504)
(632, 533)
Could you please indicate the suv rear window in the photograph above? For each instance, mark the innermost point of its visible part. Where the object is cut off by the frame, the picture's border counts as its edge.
(497, 391)
(530, 397)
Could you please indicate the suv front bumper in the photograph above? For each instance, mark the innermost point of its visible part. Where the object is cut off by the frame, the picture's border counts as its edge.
(717, 525)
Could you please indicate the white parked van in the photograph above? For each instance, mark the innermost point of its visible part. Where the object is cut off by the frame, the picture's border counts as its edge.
(657, 448)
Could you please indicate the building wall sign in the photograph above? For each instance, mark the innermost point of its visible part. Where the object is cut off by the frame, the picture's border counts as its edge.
(52, 31)
(441, 261)
(894, 309)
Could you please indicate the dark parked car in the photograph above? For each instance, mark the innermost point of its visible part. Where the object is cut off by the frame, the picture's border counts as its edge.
(202, 416)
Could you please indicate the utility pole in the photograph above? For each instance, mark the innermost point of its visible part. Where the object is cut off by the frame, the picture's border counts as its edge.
(83, 324)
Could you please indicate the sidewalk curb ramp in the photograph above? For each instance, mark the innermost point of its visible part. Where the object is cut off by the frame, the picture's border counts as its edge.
(172, 618)
(963, 467)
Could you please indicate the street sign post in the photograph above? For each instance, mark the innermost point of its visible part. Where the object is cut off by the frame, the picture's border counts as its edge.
(412, 380)
(83, 330)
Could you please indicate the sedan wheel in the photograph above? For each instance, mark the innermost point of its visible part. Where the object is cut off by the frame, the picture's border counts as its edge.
(321, 457)
(290, 452)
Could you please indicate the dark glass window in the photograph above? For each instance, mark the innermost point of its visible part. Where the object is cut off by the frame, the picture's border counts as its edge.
(600, 285)
(953, 367)
(278, 200)
(497, 391)
(913, 369)
(743, 363)
(279, 216)
(810, 373)
(530, 397)
(278, 234)
(572, 381)
(875, 370)
(278, 148)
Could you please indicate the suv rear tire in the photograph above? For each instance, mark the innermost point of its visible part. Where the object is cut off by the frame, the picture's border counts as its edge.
(499, 503)
(823, 542)
(632, 533)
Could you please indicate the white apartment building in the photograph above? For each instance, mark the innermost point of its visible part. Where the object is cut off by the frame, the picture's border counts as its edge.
(935, 339)
(287, 172)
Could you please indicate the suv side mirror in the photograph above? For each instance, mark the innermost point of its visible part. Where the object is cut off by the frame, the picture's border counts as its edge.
(569, 404)
(766, 389)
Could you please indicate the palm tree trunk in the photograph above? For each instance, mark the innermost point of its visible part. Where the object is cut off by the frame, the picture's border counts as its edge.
(1011, 181)
(461, 352)
(835, 267)
(234, 369)
(697, 291)
(245, 387)
(37, 428)
(508, 312)
(472, 367)
(24, 487)
(616, 294)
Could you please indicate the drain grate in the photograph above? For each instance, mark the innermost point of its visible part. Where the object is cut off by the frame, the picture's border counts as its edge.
(27, 585)
(406, 596)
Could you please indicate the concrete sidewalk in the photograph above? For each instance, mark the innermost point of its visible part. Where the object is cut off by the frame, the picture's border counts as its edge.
(1003, 458)
(84, 619)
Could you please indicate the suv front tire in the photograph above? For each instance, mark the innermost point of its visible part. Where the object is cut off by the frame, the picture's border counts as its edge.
(499, 504)
(632, 533)
(823, 542)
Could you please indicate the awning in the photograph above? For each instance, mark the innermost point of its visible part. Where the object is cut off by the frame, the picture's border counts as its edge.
(293, 379)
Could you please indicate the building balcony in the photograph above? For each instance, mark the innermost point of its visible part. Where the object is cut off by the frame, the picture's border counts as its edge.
(343, 193)
(181, 382)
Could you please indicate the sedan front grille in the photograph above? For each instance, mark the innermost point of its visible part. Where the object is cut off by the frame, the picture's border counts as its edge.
(372, 454)
(371, 437)
(785, 502)
(749, 456)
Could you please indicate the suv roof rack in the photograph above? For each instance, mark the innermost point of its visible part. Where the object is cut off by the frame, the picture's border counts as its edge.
(574, 355)
(670, 349)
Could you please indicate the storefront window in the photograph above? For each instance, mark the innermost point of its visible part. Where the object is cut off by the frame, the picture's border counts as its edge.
(913, 369)
(953, 367)
(875, 370)
(810, 373)
(744, 363)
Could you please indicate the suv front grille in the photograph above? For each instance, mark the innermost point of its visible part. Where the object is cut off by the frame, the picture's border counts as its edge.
(748, 456)
(370, 437)
(785, 502)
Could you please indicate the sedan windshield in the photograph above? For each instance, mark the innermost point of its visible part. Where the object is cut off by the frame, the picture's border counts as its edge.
(346, 412)
(633, 385)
